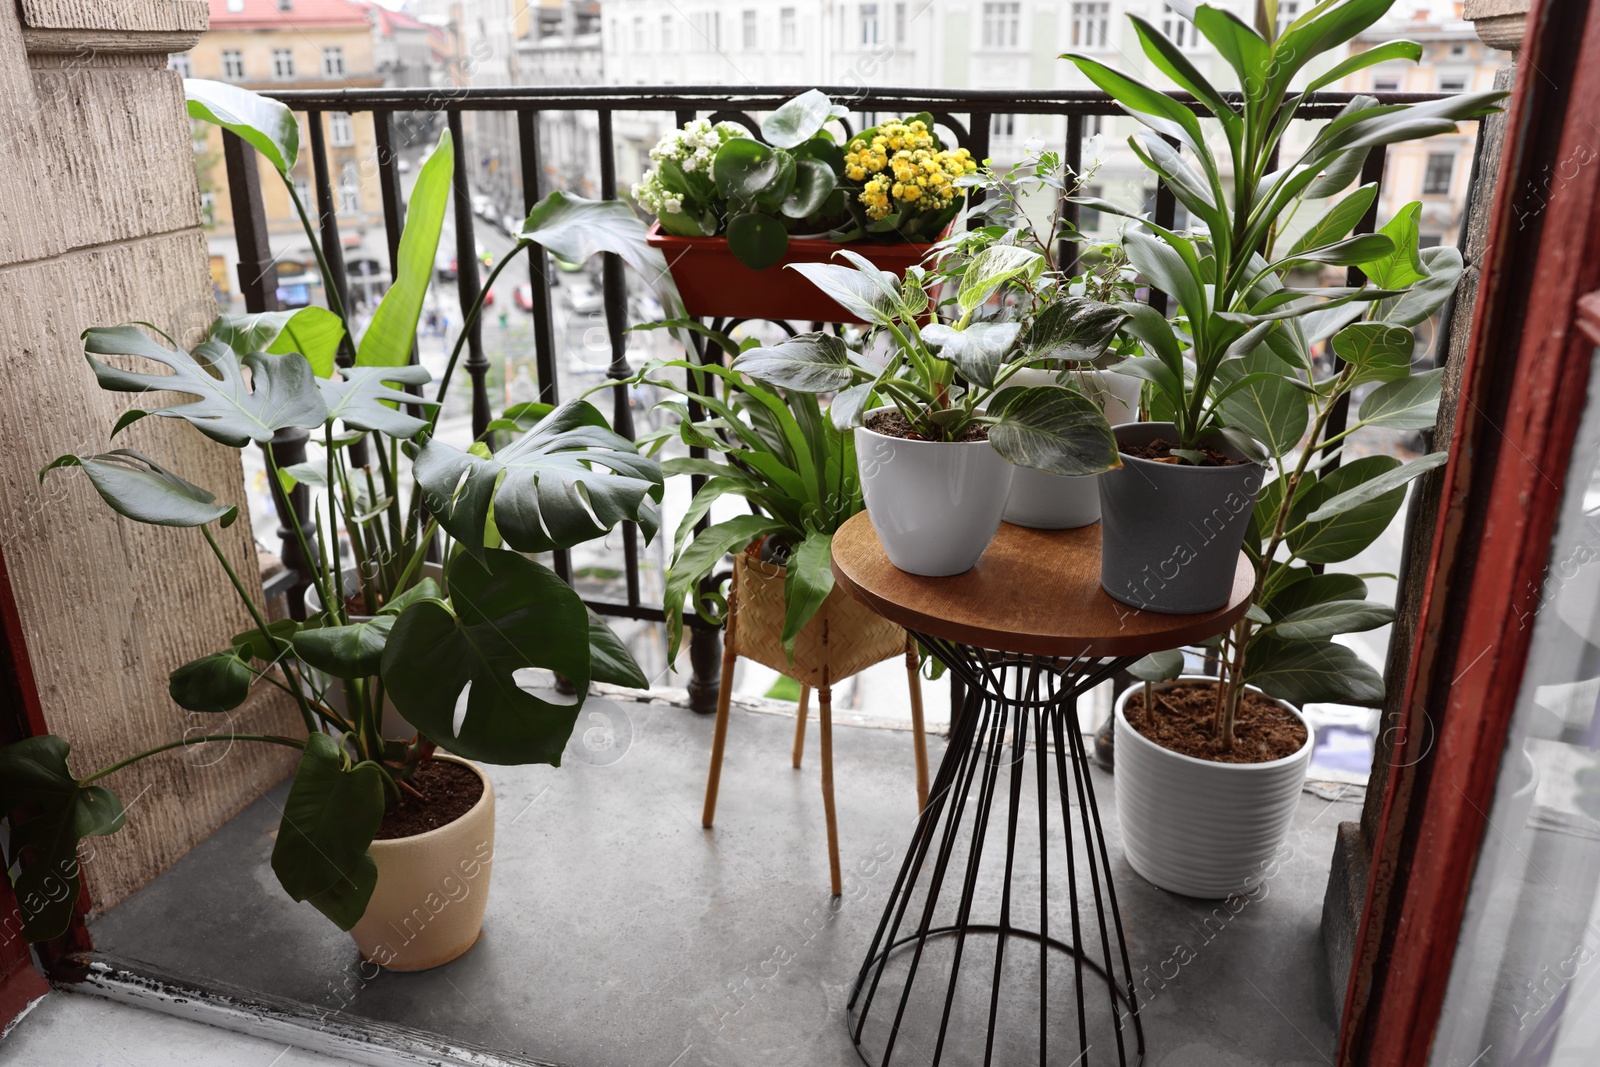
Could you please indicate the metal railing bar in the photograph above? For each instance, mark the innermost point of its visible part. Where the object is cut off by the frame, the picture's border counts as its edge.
(328, 222)
(467, 282)
(394, 214)
(1371, 171)
(1067, 249)
(616, 305)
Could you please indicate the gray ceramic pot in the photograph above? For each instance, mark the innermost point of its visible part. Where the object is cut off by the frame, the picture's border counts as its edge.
(1171, 533)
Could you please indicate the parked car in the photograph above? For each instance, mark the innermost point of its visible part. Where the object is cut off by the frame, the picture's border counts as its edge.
(482, 206)
(524, 296)
(583, 299)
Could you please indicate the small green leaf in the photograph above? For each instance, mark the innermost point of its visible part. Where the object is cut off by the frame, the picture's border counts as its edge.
(978, 351)
(1418, 303)
(1378, 352)
(329, 819)
(1402, 265)
(1338, 221)
(363, 399)
(1377, 486)
(352, 651)
(218, 682)
(139, 488)
(808, 580)
(994, 267)
(609, 659)
(1159, 666)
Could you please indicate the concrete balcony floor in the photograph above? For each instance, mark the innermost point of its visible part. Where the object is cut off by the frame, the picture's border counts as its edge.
(620, 933)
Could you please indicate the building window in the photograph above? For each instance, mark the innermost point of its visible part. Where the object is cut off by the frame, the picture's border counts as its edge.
(1178, 29)
(1090, 24)
(1002, 127)
(350, 188)
(235, 5)
(638, 34)
(705, 28)
(333, 62)
(283, 63)
(233, 65)
(285, 5)
(1458, 50)
(1452, 83)
(302, 189)
(1001, 23)
(1436, 178)
(749, 21)
(1092, 125)
(180, 62)
(900, 24)
(788, 39)
(340, 130)
(666, 33)
(1385, 85)
(1288, 11)
(870, 34)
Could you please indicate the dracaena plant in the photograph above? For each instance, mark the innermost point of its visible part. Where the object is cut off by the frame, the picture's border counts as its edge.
(1236, 361)
(946, 378)
(384, 629)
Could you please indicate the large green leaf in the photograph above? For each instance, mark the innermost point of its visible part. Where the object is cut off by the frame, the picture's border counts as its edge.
(1409, 404)
(1302, 588)
(1309, 672)
(1266, 404)
(51, 811)
(797, 120)
(139, 488)
(218, 682)
(393, 329)
(267, 125)
(1408, 51)
(1418, 303)
(1172, 62)
(813, 183)
(1052, 428)
(329, 818)
(810, 363)
(869, 295)
(1402, 265)
(1167, 270)
(312, 331)
(808, 580)
(573, 229)
(352, 651)
(609, 659)
(978, 351)
(1378, 352)
(1151, 106)
(1316, 621)
(994, 267)
(702, 556)
(756, 240)
(505, 614)
(747, 171)
(1347, 533)
(1240, 46)
(363, 399)
(1339, 220)
(280, 392)
(1074, 328)
(568, 480)
(1377, 486)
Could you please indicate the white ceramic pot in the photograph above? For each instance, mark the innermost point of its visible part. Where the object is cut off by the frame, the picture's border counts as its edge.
(1047, 501)
(427, 908)
(1200, 828)
(935, 505)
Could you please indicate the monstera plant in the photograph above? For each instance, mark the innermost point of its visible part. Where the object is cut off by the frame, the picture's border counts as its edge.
(388, 630)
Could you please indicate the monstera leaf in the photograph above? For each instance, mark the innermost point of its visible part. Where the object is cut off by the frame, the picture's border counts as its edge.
(568, 480)
(314, 332)
(505, 614)
(139, 488)
(362, 399)
(51, 811)
(329, 818)
(281, 390)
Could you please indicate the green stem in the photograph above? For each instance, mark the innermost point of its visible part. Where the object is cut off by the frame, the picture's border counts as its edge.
(271, 739)
(315, 560)
(466, 329)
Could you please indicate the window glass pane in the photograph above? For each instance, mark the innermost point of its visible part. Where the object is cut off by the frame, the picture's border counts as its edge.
(1525, 982)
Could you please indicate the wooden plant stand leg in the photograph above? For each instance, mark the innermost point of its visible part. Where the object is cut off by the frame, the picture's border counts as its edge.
(724, 696)
(825, 718)
(919, 739)
(800, 725)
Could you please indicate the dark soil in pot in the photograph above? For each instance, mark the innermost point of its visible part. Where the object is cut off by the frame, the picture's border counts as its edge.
(1160, 451)
(449, 790)
(1184, 716)
(893, 424)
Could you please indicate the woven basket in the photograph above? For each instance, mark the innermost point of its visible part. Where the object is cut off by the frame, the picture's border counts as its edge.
(843, 637)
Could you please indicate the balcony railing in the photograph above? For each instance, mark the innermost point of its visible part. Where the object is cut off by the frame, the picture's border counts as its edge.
(967, 113)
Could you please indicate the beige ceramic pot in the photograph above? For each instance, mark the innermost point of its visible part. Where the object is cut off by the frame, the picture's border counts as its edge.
(428, 906)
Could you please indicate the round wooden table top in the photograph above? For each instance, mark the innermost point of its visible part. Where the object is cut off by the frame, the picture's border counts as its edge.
(1034, 591)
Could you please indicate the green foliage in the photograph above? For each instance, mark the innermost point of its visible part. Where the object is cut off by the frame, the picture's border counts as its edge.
(268, 126)
(330, 816)
(393, 329)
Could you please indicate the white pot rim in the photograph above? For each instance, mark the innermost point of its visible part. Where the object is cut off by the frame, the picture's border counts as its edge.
(908, 441)
(1303, 752)
(484, 798)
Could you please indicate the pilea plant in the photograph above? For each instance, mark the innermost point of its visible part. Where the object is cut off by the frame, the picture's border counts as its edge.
(384, 629)
(1235, 363)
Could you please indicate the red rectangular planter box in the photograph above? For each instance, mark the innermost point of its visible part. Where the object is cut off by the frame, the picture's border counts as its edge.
(714, 284)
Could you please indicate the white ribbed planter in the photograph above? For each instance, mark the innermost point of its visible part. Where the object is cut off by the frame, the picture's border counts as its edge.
(935, 505)
(427, 908)
(1199, 828)
(1047, 501)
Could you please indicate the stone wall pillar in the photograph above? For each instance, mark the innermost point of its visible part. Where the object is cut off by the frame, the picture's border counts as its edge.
(100, 223)
(1499, 24)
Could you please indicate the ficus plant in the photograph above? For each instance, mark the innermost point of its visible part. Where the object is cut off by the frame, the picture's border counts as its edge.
(1236, 360)
(949, 380)
(384, 631)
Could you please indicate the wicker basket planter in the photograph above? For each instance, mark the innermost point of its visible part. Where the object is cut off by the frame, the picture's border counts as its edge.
(714, 284)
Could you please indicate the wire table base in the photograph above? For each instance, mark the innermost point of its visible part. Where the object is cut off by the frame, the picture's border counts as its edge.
(1013, 701)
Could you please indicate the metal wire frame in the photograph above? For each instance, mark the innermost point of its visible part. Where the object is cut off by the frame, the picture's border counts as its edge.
(966, 112)
(1012, 694)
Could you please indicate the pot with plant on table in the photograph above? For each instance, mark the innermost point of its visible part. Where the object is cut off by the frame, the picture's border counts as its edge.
(1208, 770)
(379, 821)
(731, 207)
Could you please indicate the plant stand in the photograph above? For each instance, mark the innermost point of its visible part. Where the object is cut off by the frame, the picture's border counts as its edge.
(842, 638)
(1028, 630)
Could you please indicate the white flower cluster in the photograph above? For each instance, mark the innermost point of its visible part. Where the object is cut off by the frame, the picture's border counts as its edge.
(692, 148)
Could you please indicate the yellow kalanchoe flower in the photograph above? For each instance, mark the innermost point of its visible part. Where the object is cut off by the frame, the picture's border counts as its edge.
(899, 165)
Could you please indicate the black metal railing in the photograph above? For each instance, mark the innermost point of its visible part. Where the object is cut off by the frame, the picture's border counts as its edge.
(967, 113)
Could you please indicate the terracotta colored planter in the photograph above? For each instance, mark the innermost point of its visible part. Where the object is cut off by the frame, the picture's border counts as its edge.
(428, 906)
(714, 284)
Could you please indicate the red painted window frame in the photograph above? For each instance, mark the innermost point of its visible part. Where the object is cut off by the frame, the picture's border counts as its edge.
(1524, 390)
